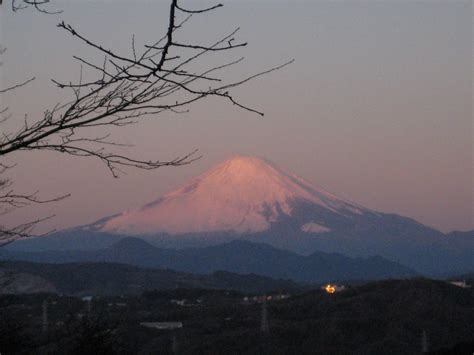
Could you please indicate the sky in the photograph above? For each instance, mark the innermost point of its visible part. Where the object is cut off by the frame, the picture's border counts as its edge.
(376, 108)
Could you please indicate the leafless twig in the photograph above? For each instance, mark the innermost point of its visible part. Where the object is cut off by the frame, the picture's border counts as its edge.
(124, 89)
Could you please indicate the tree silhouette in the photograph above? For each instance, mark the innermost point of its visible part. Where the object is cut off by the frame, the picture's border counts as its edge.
(123, 89)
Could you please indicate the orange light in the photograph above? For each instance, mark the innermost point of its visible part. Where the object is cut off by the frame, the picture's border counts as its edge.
(330, 288)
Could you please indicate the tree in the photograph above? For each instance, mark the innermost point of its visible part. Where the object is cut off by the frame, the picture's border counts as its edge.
(119, 91)
(39, 5)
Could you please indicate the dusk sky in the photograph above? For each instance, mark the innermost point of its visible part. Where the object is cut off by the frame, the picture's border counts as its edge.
(376, 108)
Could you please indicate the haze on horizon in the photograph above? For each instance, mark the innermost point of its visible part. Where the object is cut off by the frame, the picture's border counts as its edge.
(377, 107)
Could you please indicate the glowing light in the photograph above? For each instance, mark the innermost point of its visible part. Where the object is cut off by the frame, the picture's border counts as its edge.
(330, 288)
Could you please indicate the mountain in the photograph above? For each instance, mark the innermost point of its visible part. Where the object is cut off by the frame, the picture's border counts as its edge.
(242, 257)
(119, 279)
(248, 198)
(16, 282)
(241, 195)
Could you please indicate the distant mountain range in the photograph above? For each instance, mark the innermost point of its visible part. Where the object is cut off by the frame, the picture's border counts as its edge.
(119, 279)
(241, 257)
(247, 198)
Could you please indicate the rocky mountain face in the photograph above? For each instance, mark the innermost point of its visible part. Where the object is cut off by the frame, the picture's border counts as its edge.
(248, 198)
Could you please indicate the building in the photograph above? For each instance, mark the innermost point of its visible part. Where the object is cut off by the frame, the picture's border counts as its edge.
(162, 325)
(264, 298)
(333, 288)
(461, 284)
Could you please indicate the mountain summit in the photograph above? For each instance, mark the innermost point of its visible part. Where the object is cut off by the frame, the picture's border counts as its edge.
(252, 199)
(243, 194)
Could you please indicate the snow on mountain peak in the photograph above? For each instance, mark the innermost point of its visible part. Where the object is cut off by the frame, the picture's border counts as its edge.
(242, 194)
(312, 227)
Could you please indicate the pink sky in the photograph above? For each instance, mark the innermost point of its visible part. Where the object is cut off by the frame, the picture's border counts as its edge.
(377, 107)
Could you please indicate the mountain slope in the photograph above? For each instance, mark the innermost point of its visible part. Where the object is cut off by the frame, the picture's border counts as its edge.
(251, 199)
(241, 257)
(242, 194)
(109, 278)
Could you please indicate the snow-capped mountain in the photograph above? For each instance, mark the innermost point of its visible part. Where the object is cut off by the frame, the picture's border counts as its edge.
(242, 194)
(252, 199)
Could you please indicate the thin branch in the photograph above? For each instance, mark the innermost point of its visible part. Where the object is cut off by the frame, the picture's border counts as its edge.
(124, 89)
(199, 11)
(2, 91)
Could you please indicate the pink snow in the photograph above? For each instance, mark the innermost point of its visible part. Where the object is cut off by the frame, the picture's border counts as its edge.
(242, 194)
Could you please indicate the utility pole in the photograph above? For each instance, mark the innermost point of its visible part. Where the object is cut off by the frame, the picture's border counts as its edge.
(424, 342)
(264, 328)
(174, 345)
(45, 316)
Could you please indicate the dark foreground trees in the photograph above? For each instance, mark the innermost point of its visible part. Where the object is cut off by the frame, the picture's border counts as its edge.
(385, 317)
(116, 91)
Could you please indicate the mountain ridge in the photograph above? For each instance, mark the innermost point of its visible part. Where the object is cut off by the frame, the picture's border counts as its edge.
(250, 199)
(120, 279)
(242, 257)
(242, 194)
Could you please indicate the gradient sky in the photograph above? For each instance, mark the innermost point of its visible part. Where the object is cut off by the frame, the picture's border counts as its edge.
(377, 107)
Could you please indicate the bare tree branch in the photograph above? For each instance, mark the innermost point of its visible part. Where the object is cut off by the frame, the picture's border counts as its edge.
(16, 86)
(22, 231)
(124, 89)
(39, 5)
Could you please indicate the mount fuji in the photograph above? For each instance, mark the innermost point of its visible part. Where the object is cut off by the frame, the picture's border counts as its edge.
(241, 195)
(250, 198)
